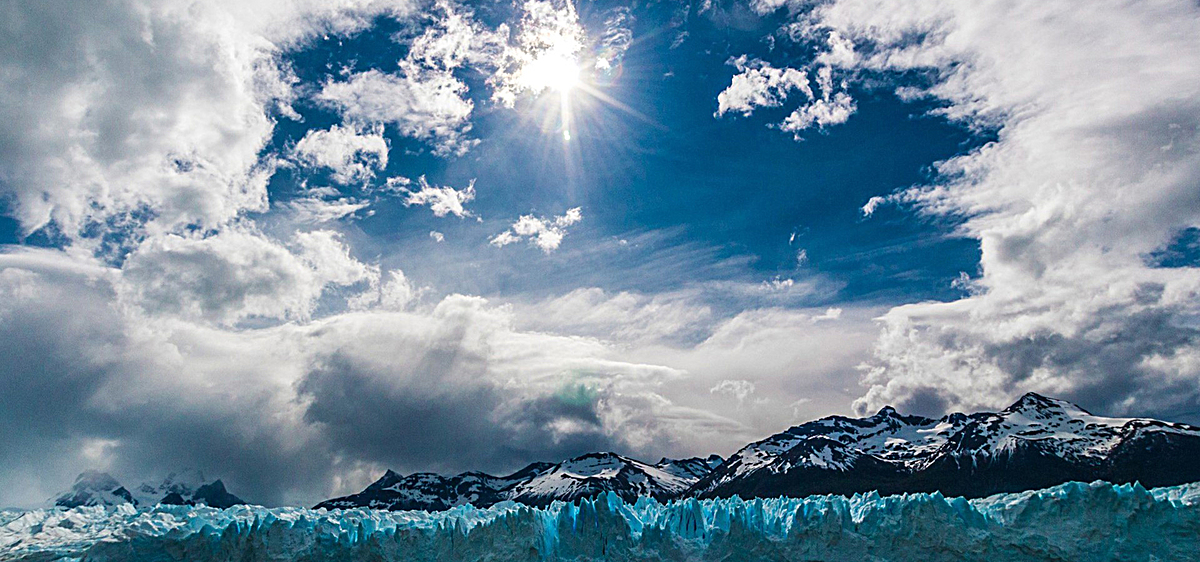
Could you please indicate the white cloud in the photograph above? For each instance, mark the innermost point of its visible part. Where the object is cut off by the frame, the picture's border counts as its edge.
(237, 274)
(1093, 168)
(395, 293)
(437, 236)
(453, 39)
(423, 103)
(353, 156)
(872, 204)
(832, 108)
(253, 354)
(442, 201)
(549, 39)
(758, 84)
(616, 39)
(423, 99)
(312, 401)
(545, 233)
(778, 284)
(316, 209)
(740, 389)
(831, 313)
(820, 113)
(111, 109)
(622, 317)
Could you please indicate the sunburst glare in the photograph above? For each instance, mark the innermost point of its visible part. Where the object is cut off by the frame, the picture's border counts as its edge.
(553, 66)
(554, 70)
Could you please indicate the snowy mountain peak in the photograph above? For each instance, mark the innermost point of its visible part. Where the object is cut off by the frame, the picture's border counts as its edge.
(594, 465)
(1034, 402)
(180, 488)
(96, 480)
(93, 487)
(180, 485)
(694, 467)
(1037, 441)
(537, 484)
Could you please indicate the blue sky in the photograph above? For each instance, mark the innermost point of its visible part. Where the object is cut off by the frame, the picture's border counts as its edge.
(294, 245)
(701, 198)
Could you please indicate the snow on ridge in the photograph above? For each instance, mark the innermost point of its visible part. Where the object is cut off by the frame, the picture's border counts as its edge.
(913, 442)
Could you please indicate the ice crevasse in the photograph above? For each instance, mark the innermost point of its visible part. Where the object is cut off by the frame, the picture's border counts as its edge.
(1074, 521)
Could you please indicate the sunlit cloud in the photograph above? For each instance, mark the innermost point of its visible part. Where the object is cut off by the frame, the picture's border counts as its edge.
(546, 53)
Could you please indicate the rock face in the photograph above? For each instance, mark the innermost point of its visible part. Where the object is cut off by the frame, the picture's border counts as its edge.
(1035, 443)
(179, 488)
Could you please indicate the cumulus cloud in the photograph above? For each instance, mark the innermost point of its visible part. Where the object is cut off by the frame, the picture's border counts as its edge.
(351, 155)
(758, 84)
(740, 389)
(821, 113)
(395, 291)
(236, 275)
(112, 109)
(1094, 167)
(545, 233)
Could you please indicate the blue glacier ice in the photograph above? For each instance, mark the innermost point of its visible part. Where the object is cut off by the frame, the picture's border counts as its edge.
(1071, 522)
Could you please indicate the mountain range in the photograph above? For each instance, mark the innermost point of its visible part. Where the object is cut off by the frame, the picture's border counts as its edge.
(1037, 442)
(179, 488)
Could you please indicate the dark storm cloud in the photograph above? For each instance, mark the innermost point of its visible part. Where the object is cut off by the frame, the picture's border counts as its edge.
(440, 410)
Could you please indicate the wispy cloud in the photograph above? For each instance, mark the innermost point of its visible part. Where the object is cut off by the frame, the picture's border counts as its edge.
(443, 200)
(422, 103)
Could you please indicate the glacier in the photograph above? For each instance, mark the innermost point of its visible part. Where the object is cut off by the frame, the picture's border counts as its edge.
(1074, 521)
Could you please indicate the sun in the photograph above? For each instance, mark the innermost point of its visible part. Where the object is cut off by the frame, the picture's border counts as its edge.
(553, 70)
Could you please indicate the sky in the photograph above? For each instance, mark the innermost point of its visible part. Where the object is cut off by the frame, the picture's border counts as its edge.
(295, 244)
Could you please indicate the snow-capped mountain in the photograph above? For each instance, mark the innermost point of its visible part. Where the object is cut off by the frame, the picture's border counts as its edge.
(93, 487)
(179, 488)
(537, 484)
(694, 468)
(1036, 442)
(595, 473)
(434, 492)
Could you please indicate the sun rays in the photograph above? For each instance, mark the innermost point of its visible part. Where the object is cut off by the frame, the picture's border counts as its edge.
(557, 78)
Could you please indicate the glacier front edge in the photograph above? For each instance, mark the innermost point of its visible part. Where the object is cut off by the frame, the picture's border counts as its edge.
(1073, 521)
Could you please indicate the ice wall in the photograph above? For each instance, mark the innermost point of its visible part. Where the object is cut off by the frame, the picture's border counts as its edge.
(1077, 522)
